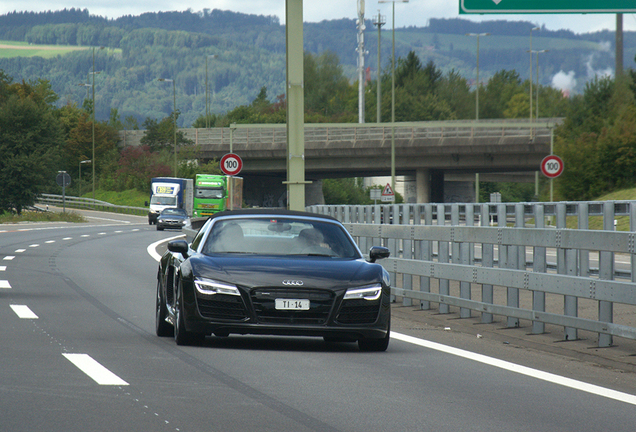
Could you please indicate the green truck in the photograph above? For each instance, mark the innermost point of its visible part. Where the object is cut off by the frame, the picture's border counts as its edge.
(216, 193)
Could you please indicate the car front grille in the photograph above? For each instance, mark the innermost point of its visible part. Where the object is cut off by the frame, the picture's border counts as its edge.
(222, 307)
(263, 300)
(358, 312)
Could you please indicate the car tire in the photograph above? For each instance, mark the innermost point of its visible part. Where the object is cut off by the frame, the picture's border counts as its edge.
(181, 336)
(159, 229)
(162, 327)
(376, 345)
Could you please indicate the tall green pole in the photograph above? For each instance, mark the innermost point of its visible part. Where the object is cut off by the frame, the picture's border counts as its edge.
(93, 127)
(393, 103)
(174, 109)
(296, 106)
(379, 22)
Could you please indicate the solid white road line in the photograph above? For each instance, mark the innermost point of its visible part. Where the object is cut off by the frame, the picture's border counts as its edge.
(152, 248)
(23, 311)
(94, 370)
(523, 370)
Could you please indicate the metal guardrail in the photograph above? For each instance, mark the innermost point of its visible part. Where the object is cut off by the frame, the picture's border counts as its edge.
(89, 203)
(500, 254)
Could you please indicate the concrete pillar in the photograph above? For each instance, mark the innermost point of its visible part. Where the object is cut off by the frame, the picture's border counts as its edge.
(423, 185)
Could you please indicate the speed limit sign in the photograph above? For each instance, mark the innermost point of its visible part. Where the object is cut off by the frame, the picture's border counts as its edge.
(231, 164)
(552, 166)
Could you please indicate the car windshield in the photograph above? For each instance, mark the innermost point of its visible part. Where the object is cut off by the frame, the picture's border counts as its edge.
(210, 193)
(174, 212)
(163, 200)
(280, 236)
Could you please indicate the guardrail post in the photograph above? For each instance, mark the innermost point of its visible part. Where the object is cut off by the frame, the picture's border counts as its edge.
(487, 260)
(465, 258)
(442, 257)
(426, 250)
(516, 256)
(632, 228)
(566, 260)
(606, 271)
(407, 253)
(539, 264)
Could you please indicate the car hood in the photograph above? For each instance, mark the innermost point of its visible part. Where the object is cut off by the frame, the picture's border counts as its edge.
(314, 272)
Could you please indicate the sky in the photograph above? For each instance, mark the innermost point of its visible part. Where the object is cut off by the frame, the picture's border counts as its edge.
(415, 13)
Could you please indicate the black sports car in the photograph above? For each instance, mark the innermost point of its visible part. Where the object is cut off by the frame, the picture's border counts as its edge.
(171, 218)
(273, 272)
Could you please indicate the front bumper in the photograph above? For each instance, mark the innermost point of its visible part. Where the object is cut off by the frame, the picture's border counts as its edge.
(329, 316)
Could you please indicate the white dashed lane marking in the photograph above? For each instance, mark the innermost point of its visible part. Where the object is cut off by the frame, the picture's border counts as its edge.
(23, 312)
(94, 370)
(5, 284)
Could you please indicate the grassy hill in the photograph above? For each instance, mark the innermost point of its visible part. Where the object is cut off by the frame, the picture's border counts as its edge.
(12, 49)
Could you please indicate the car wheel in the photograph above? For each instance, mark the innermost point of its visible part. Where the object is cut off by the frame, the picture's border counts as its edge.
(181, 335)
(162, 327)
(159, 229)
(376, 345)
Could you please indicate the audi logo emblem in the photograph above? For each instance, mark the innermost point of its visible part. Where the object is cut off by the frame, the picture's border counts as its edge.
(293, 282)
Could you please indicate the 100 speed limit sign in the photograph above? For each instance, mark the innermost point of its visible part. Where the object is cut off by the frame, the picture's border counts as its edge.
(552, 166)
(231, 164)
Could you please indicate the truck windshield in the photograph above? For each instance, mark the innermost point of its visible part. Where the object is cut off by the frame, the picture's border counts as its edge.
(209, 193)
(164, 200)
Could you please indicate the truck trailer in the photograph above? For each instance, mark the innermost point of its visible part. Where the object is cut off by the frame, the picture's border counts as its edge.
(170, 192)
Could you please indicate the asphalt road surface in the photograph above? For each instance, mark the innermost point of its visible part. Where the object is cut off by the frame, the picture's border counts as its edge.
(79, 353)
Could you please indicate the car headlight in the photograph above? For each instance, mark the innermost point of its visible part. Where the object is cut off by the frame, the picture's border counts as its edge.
(366, 293)
(211, 287)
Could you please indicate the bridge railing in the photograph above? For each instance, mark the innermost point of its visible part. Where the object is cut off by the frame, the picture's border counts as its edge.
(276, 134)
(534, 262)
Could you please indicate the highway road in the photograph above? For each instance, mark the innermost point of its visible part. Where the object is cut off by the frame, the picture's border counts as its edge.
(79, 353)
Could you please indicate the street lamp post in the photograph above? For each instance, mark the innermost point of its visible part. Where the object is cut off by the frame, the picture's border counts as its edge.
(379, 22)
(477, 35)
(174, 113)
(538, 52)
(93, 164)
(393, 91)
(207, 109)
(530, 51)
(80, 175)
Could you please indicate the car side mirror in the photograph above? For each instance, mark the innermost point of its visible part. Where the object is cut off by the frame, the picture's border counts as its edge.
(378, 252)
(146, 203)
(179, 246)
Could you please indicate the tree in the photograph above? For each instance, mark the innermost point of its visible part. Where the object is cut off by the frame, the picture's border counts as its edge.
(30, 137)
(161, 135)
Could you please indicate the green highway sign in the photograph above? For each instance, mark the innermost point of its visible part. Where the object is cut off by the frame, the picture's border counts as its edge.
(546, 6)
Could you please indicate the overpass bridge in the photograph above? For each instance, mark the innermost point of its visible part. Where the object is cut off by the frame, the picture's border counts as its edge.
(427, 152)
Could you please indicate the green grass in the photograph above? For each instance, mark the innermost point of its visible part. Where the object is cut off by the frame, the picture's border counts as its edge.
(131, 198)
(596, 222)
(33, 216)
(12, 49)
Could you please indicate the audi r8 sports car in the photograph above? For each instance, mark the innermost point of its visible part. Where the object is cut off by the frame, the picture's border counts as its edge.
(273, 272)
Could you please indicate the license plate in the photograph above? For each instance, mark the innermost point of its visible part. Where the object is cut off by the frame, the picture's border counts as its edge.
(292, 304)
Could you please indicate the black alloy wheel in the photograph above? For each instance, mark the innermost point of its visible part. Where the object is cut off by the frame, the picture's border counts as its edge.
(162, 327)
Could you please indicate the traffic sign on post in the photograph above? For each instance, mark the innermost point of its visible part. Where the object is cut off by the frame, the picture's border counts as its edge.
(552, 166)
(387, 194)
(231, 164)
(545, 6)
